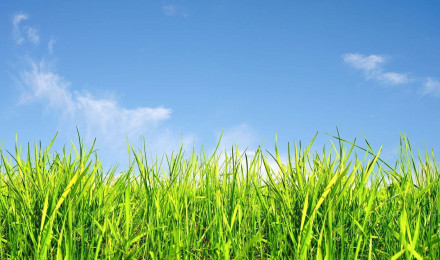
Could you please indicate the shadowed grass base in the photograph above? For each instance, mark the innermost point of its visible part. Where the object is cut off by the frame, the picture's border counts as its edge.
(316, 205)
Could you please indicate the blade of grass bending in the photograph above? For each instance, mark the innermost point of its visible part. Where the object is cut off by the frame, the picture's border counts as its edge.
(363, 149)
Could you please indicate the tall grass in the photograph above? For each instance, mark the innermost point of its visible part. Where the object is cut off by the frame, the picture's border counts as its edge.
(331, 205)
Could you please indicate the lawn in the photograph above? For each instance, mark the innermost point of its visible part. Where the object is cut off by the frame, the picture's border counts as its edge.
(343, 202)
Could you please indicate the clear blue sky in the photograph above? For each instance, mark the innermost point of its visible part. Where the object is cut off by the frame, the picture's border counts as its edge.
(190, 69)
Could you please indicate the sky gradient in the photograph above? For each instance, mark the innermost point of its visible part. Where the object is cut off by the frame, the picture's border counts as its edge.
(183, 71)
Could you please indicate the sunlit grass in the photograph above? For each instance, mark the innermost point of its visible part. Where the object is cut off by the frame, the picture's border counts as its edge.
(331, 204)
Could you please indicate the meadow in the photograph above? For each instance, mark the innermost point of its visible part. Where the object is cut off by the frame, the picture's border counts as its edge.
(343, 202)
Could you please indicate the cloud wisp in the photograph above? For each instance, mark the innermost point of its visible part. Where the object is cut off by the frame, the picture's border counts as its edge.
(30, 33)
(372, 67)
(16, 20)
(103, 118)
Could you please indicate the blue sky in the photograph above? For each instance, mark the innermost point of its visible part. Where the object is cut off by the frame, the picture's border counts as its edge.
(186, 70)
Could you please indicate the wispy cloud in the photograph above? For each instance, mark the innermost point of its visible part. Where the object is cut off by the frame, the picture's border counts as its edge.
(431, 87)
(42, 83)
(372, 67)
(29, 32)
(174, 10)
(365, 63)
(16, 20)
(393, 78)
(101, 117)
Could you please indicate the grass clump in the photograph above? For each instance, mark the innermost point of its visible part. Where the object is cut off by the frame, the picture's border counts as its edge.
(330, 205)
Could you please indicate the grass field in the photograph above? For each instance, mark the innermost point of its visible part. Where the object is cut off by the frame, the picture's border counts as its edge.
(341, 203)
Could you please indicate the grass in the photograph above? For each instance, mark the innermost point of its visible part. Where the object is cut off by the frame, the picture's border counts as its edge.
(331, 205)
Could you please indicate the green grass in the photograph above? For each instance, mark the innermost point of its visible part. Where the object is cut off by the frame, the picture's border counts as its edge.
(332, 204)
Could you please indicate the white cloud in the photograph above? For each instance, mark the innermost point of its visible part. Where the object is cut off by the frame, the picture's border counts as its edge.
(371, 66)
(103, 118)
(42, 83)
(30, 32)
(394, 78)
(107, 116)
(359, 61)
(174, 10)
(431, 87)
(16, 20)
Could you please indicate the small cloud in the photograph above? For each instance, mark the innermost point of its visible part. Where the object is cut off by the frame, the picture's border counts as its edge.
(16, 20)
(365, 63)
(30, 32)
(394, 78)
(174, 10)
(431, 87)
(371, 66)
